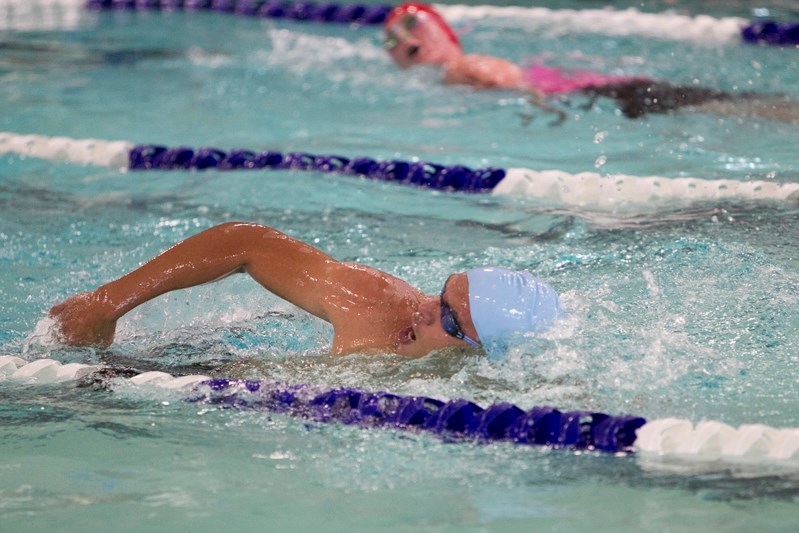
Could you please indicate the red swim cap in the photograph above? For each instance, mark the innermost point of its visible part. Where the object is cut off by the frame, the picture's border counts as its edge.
(412, 8)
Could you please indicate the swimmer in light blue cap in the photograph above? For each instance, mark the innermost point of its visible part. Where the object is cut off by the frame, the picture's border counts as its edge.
(507, 302)
(371, 311)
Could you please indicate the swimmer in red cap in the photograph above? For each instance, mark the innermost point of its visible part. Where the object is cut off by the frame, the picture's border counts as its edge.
(371, 311)
(415, 34)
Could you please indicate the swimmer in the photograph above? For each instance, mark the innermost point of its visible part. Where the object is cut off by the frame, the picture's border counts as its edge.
(371, 311)
(415, 34)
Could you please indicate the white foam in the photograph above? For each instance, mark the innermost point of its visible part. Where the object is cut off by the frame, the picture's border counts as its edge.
(43, 334)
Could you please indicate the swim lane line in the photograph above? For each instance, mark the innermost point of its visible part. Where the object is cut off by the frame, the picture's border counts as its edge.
(23, 15)
(585, 190)
(460, 420)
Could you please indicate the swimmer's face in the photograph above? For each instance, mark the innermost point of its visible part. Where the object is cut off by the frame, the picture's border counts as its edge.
(416, 39)
(427, 333)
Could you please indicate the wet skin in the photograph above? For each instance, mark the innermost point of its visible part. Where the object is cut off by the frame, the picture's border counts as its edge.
(370, 310)
(417, 40)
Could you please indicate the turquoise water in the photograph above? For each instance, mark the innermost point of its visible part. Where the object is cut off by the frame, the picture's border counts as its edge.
(688, 313)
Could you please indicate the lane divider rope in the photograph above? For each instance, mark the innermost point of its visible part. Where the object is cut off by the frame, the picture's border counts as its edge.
(460, 420)
(18, 15)
(587, 190)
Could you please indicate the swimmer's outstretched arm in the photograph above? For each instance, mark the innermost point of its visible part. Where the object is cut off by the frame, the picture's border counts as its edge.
(285, 266)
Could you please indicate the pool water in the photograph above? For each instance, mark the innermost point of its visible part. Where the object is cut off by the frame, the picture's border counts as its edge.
(671, 311)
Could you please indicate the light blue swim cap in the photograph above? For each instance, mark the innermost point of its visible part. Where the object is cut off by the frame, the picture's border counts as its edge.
(503, 302)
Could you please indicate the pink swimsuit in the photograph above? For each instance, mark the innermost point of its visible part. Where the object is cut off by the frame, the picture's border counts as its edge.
(552, 80)
(636, 96)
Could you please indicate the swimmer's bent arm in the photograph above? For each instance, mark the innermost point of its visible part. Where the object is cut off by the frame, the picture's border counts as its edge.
(285, 266)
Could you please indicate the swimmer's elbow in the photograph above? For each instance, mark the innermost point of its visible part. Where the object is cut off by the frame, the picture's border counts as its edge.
(245, 240)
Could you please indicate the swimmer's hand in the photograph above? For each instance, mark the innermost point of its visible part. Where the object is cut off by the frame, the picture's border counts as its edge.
(85, 319)
(537, 99)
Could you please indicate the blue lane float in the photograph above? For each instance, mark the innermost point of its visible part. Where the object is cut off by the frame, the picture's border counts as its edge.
(452, 420)
(424, 174)
(771, 32)
(293, 10)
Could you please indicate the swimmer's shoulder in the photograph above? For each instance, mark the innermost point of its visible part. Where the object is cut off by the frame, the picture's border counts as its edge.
(374, 278)
(484, 72)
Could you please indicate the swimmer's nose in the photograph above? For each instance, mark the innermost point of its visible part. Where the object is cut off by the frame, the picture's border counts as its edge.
(427, 313)
(413, 51)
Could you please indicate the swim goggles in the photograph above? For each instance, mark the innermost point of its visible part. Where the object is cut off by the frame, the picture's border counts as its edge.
(451, 326)
(399, 31)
